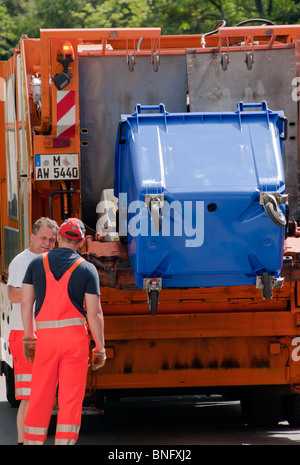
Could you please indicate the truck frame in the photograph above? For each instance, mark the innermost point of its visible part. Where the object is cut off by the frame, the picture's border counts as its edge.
(61, 98)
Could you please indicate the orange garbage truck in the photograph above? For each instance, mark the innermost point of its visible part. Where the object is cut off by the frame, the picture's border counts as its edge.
(181, 156)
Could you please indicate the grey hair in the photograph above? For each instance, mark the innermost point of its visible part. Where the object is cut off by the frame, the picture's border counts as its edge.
(43, 221)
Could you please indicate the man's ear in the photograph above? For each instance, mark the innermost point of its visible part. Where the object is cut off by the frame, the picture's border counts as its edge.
(81, 244)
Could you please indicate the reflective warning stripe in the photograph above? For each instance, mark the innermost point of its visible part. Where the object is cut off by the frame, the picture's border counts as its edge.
(22, 392)
(22, 385)
(34, 435)
(22, 377)
(67, 429)
(66, 434)
(35, 430)
(28, 442)
(64, 442)
(60, 323)
(65, 113)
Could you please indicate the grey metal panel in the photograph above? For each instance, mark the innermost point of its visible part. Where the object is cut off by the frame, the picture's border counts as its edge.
(212, 89)
(107, 90)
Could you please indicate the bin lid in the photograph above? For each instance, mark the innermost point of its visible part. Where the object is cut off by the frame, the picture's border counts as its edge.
(219, 151)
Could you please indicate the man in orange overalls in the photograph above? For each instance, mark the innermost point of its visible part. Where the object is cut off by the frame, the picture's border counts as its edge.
(42, 239)
(60, 281)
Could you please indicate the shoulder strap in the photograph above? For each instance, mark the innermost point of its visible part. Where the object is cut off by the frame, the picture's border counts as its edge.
(46, 262)
(75, 264)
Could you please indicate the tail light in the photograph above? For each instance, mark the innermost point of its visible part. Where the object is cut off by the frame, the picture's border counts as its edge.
(56, 142)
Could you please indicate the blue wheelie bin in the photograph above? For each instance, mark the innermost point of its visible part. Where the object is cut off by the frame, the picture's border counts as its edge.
(202, 196)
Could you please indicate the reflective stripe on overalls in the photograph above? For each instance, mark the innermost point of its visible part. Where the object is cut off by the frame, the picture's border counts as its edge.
(61, 357)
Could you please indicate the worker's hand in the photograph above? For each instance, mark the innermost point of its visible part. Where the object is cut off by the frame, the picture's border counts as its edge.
(98, 359)
(29, 348)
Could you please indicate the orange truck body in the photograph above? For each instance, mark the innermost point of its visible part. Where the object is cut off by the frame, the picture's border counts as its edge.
(205, 340)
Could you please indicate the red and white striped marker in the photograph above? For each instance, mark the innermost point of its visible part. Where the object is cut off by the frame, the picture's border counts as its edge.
(66, 113)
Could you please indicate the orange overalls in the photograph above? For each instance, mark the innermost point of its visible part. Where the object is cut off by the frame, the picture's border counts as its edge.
(22, 369)
(61, 357)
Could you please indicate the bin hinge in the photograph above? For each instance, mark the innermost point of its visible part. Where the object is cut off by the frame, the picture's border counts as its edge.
(271, 201)
(155, 202)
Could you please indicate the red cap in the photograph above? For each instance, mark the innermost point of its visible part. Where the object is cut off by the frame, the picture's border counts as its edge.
(72, 229)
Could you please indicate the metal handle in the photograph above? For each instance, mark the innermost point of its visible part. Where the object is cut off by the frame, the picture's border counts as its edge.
(263, 105)
(282, 126)
(160, 108)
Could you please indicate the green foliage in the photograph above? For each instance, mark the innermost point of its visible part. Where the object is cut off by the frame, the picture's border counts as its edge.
(19, 17)
(7, 32)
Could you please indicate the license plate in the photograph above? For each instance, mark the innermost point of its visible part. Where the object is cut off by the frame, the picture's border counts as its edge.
(58, 166)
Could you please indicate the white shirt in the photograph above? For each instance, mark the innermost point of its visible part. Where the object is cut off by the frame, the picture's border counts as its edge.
(16, 273)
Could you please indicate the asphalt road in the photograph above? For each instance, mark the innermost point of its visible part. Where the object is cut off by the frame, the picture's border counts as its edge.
(180, 422)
